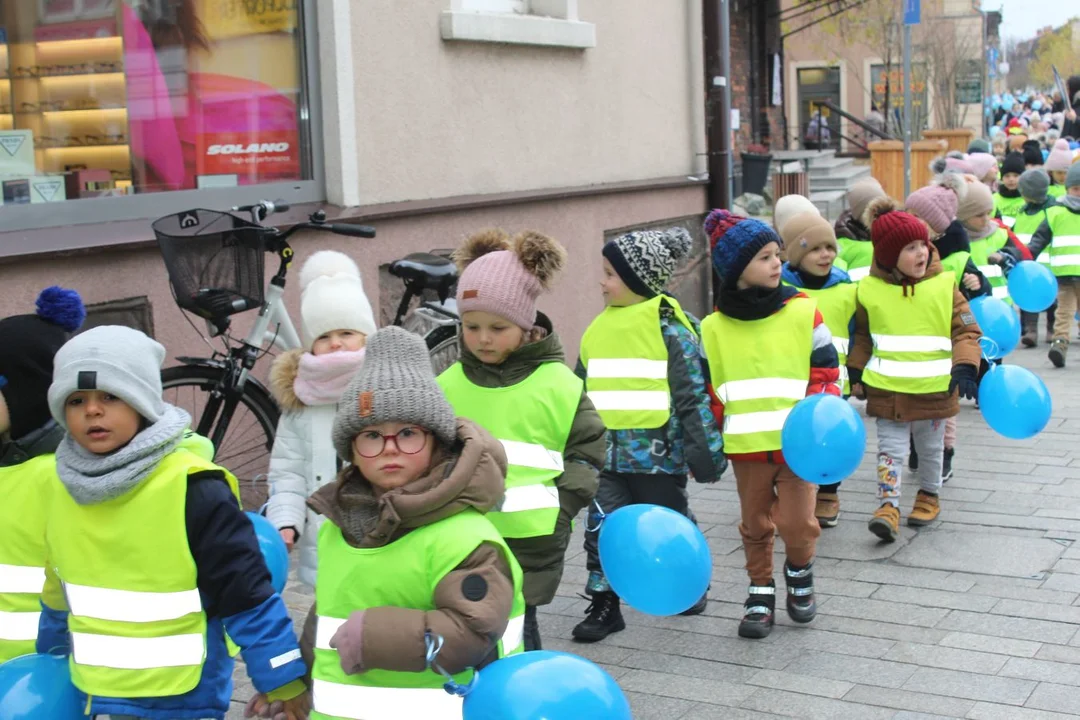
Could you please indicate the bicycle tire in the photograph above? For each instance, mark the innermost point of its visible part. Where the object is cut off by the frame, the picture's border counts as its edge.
(245, 450)
(442, 345)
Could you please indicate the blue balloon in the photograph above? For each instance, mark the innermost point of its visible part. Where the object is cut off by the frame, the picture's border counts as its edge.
(38, 687)
(1036, 105)
(1014, 401)
(545, 685)
(655, 559)
(1032, 286)
(823, 439)
(999, 324)
(273, 550)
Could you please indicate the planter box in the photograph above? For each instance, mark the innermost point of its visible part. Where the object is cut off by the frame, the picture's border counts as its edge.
(887, 164)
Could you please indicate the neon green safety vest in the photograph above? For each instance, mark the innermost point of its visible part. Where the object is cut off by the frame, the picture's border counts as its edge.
(24, 488)
(136, 619)
(837, 307)
(1056, 191)
(956, 263)
(855, 256)
(1008, 207)
(402, 574)
(981, 250)
(1025, 228)
(760, 369)
(1065, 245)
(912, 334)
(626, 363)
(532, 420)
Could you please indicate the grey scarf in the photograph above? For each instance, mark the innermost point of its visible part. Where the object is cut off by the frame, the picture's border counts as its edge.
(91, 478)
(1072, 202)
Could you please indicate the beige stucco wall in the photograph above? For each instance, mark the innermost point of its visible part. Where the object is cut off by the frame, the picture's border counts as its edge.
(437, 118)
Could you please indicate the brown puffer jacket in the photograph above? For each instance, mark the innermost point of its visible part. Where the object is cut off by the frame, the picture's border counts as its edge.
(903, 407)
(392, 638)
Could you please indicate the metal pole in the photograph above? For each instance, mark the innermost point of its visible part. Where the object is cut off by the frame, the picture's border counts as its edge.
(724, 6)
(907, 110)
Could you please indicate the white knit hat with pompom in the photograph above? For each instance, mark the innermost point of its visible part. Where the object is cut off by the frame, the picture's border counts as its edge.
(332, 297)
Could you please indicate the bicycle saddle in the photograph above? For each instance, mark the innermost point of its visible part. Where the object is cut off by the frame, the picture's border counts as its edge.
(432, 271)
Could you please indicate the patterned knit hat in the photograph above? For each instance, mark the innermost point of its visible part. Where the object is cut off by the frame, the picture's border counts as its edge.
(505, 276)
(937, 203)
(1035, 184)
(892, 230)
(735, 241)
(646, 259)
(395, 384)
(804, 233)
(1061, 157)
(1013, 163)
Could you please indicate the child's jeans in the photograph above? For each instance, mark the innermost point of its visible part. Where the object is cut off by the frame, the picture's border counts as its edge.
(619, 490)
(772, 498)
(894, 447)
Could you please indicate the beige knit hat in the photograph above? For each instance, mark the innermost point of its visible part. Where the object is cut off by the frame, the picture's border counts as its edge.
(978, 201)
(804, 233)
(862, 194)
(788, 207)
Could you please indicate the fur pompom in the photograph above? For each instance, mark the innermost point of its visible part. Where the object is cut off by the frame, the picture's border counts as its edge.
(954, 182)
(678, 242)
(61, 307)
(878, 207)
(938, 165)
(481, 243)
(327, 263)
(541, 255)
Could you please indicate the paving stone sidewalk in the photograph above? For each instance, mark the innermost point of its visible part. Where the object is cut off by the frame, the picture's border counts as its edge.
(976, 616)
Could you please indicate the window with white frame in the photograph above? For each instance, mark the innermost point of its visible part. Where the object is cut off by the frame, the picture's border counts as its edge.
(521, 22)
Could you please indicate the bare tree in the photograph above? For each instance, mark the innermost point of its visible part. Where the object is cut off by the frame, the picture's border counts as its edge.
(950, 57)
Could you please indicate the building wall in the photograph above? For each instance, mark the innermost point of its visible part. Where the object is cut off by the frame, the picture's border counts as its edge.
(438, 118)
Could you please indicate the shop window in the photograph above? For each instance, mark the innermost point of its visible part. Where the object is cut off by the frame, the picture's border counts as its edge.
(127, 98)
(135, 312)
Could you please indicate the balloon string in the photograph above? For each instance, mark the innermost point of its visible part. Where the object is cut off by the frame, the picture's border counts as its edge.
(433, 646)
(599, 515)
(995, 349)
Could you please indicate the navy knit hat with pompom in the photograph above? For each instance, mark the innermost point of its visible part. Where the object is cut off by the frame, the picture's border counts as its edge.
(27, 346)
(734, 241)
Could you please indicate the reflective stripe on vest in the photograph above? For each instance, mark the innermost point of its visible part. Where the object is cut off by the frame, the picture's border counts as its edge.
(857, 274)
(532, 419)
(759, 393)
(408, 570)
(837, 307)
(625, 358)
(912, 334)
(25, 489)
(1008, 220)
(137, 624)
(991, 271)
(358, 702)
(1065, 242)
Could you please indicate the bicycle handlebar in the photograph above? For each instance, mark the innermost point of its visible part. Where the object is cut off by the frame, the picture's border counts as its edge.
(364, 231)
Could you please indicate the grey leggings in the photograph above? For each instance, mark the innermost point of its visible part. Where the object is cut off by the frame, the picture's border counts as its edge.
(893, 450)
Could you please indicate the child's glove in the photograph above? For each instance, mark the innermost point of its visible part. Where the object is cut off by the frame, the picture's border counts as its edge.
(1006, 262)
(297, 708)
(855, 380)
(966, 379)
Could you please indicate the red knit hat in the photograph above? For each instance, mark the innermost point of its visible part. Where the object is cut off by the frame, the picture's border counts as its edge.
(892, 230)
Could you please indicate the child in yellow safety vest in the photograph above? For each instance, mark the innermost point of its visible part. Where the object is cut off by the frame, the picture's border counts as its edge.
(414, 580)
(1034, 186)
(916, 343)
(1057, 165)
(151, 559)
(1007, 200)
(1059, 237)
(768, 347)
(28, 439)
(643, 368)
(513, 381)
(810, 243)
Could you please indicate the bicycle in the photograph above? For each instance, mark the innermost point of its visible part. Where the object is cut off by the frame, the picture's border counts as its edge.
(215, 261)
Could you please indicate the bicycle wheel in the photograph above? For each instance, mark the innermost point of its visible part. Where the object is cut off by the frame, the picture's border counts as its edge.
(249, 437)
(442, 344)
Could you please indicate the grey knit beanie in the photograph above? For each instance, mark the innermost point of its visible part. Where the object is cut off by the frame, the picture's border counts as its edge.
(1034, 185)
(395, 384)
(1072, 178)
(113, 359)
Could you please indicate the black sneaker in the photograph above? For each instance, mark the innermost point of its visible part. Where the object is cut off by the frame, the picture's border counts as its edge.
(913, 458)
(758, 614)
(698, 607)
(801, 607)
(946, 465)
(603, 617)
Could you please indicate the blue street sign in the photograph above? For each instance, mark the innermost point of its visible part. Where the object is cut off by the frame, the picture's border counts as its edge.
(992, 61)
(912, 12)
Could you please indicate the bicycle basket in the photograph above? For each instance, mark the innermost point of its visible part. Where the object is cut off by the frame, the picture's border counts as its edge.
(215, 261)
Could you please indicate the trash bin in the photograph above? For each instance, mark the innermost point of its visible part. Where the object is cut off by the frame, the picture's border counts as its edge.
(790, 183)
(755, 171)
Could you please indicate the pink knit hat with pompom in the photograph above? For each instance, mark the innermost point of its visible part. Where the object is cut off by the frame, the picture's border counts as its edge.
(1060, 158)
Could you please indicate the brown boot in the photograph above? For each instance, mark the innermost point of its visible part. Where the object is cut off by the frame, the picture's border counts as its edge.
(827, 510)
(886, 522)
(927, 508)
(1029, 325)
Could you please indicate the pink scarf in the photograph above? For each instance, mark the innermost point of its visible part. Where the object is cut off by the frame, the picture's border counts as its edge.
(321, 379)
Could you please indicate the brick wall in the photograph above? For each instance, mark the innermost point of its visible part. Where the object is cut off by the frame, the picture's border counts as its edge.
(754, 74)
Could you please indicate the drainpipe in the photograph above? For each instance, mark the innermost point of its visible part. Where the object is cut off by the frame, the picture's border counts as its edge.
(716, 16)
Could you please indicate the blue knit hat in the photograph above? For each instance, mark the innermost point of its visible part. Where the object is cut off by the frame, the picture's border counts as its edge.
(735, 241)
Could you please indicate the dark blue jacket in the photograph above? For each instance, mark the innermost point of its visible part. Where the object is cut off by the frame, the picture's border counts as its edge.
(234, 584)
